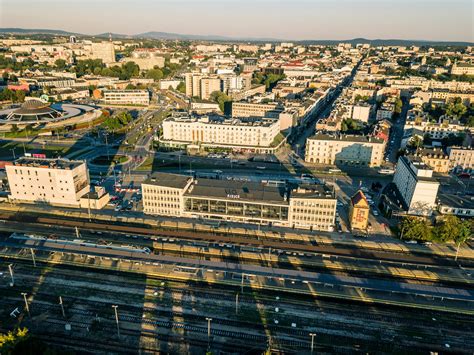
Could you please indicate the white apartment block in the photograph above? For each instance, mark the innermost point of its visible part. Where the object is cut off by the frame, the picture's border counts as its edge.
(250, 109)
(220, 131)
(104, 51)
(307, 207)
(415, 182)
(127, 97)
(344, 150)
(52, 181)
(208, 86)
(461, 158)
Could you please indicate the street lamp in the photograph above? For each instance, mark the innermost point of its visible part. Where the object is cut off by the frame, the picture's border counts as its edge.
(116, 319)
(208, 326)
(11, 274)
(26, 303)
(312, 335)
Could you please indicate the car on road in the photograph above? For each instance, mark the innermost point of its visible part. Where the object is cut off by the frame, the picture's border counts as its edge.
(411, 242)
(261, 167)
(375, 213)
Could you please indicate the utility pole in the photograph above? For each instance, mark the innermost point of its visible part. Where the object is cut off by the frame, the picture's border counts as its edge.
(11, 274)
(33, 256)
(116, 319)
(62, 306)
(312, 335)
(237, 303)
(26, 304)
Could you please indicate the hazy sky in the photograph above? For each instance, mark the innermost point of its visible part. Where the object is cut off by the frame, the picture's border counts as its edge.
(285, 19)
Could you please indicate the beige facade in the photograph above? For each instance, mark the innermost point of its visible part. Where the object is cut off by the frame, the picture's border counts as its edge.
(344, 150)
(359, 212)
(51, 181)
(461, 158)
(163, 194)
(312, 209)
(104, 51)
(127, 97)
(208, 86)
(436, 159)
(250, 109)
(462, 69)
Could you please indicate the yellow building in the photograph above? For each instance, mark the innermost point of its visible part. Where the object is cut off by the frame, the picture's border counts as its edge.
(359, 211)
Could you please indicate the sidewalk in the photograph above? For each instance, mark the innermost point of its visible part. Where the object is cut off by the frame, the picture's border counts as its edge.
(376, 242)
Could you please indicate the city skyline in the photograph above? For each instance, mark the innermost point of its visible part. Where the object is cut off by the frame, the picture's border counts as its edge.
(321, 19)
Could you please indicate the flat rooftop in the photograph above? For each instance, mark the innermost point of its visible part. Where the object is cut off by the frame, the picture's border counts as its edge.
(64, 164)
(313, 192)
(345, 137)
(175, 181)
(456, 201)
(238, 191)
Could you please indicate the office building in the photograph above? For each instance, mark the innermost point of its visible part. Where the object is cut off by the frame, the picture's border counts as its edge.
(51, 181)
(307, 207)
(344, 150)
(127, 97)
(418, 189)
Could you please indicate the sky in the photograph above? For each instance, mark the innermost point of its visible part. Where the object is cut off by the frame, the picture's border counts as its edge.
(448, 20)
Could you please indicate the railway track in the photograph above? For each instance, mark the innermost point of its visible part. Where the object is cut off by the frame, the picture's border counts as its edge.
(263, 243)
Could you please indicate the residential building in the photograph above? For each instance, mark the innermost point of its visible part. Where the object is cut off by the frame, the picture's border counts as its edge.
(462, 69)
(309, 206)
(344, 150)
(250, 109)
(414, 180)
(461, 158)
(51, 181)
(220, 131)
(104, 51)
(127, 97)
(435, 158)
(359, 212)
(208, 86)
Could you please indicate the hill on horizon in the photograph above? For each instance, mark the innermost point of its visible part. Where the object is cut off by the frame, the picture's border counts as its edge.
(178, 36)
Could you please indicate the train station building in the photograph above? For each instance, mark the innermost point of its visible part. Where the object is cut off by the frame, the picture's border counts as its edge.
(308, 206)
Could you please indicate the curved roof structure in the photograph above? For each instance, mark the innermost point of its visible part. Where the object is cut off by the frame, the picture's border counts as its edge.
(35, 111)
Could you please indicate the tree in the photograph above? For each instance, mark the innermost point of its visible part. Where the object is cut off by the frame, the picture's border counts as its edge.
(415, 228)
(456, 108)
(398, 106)
(416, 142)
(470, 121)
(155, 74)
(181, 87)
(9, 341)
(220, 98)
(463, 235)
(60, 64)
(447, 229)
